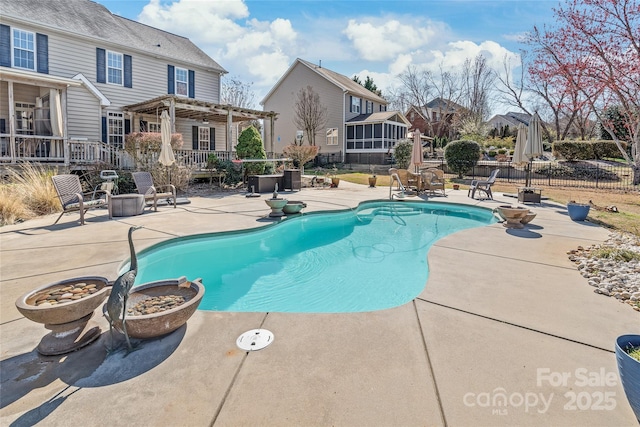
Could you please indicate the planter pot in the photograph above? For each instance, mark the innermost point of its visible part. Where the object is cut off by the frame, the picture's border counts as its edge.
(372, 181)
(578, 211)
(512, 215)
(335, 182)
(629, 369)
(456, 186)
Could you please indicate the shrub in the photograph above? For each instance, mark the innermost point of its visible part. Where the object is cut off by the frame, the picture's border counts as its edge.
(300, 154)
(250, 147)
(233, 172)
(587, 150)
(29, 192)
(492, 153)
(145, 146)
(461, 155)
(604, 149)
(402, 154)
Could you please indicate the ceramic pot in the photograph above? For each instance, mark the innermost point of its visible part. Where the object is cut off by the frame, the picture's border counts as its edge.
(578, 211)
(629, 369)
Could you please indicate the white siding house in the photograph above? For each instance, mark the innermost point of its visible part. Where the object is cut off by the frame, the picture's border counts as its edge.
(359, 128)
(75, 79)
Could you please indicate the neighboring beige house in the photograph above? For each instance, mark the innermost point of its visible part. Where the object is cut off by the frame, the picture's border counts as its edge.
(511, 119)
(75, 79)
(359, 128)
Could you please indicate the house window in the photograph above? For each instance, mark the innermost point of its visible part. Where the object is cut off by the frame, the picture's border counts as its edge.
(332, 136)
(24, 49)
(182, 82)
(114, 68)
(154, 127)
(204, 138)
(369, 107)
(24, 117)
(355, 104)
(115, 129)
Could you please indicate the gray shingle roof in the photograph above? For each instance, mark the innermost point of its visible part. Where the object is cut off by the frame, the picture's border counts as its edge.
(90, 19)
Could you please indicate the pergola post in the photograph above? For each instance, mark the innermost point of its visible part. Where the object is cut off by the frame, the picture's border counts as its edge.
(229, 134)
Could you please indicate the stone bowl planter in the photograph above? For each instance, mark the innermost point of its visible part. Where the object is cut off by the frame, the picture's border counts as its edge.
(512, 215)
(73, 302)
(528, 218)
(276, 206)
(293, 207)
(162, 322)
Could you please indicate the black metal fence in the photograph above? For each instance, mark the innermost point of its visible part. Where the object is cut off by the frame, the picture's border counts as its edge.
(599, 174)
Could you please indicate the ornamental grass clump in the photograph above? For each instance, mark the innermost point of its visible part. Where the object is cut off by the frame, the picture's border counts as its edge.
(29, 192)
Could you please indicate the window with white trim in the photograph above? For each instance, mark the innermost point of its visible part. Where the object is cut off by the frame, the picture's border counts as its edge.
(182, 81)
(115, 68)
(369, 107)
(204, 135)
(355, 104)
(153, 127)
(332, 136)
(24, 49)
(115, 129)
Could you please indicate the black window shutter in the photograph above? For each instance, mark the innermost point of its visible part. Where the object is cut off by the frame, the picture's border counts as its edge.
(360, 105)
(42, 53)
(212, 139)
(171, 80)
(101, 65)
(5, 46)
(194, 137)
(350, 104)
(192, 84)
(144, 126)
(128, 80)
(127, 126)
(104, 130)
(3, 128)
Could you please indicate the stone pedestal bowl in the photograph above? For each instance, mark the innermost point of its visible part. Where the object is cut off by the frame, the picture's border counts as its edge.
(276, 206)
(67, 320)
(512, 215)
(160, 323)
(293, 207)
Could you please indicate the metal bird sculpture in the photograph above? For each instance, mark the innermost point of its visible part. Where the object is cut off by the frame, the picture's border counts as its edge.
(117, 302)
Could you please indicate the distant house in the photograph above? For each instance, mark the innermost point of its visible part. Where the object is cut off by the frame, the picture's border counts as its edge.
(499, 122)
(436, 118)
(359, 128)
(75, 79)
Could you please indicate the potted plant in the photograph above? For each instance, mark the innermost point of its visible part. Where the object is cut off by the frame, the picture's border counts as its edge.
(373, 178)
(628, 358)
(335, 181)
(578, 211)
(456, 186)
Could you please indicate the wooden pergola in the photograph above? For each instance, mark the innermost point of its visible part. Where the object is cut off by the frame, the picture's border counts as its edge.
(188, 108)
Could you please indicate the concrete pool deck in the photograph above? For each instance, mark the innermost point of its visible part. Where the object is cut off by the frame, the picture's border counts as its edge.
(506, 332)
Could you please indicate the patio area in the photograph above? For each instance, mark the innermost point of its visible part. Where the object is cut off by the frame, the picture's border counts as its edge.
(505, 332)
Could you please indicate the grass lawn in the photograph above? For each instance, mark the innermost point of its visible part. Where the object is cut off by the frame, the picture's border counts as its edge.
(627, 218)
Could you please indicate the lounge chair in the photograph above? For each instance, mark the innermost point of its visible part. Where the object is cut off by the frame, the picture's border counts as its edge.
(484, 186)
(72, 198)
(433, 180)
(144, 185)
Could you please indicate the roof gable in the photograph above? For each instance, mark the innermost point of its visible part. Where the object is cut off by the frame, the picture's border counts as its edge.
(339, 80)
(89, 19)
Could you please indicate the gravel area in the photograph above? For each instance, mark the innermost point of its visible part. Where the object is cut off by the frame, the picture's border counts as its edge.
(612, 276)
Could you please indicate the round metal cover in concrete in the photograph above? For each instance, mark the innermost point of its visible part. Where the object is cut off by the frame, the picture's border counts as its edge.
(255, 339)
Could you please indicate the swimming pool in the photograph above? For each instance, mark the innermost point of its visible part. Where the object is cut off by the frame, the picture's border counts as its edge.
(369, 258)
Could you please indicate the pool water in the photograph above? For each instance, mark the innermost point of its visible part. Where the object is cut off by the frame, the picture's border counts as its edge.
(370, 258)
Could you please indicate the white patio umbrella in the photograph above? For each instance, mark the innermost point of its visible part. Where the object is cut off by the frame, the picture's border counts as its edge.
(166, 157)
(416, 151)
(533, 147)
(518, 152)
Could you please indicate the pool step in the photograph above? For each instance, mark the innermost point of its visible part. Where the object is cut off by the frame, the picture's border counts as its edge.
(397, 211)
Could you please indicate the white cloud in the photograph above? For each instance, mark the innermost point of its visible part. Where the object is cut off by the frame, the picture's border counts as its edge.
(377, 39)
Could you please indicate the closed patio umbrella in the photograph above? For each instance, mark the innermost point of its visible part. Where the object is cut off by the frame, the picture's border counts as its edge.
(166, 157)
(533, 147)
(521, 140)
(416, 151)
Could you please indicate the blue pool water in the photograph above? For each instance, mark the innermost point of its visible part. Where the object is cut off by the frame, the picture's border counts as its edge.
(370, 258)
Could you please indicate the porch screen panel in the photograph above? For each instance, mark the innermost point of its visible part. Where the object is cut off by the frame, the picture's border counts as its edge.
(101, 66)
(5, 45)
(42, 53)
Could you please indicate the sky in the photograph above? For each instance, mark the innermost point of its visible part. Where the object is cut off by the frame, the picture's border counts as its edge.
(257, 40)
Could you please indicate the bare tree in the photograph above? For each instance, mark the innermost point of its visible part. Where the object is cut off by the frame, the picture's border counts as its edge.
(477, 79)
(309, 113)
(234, 92)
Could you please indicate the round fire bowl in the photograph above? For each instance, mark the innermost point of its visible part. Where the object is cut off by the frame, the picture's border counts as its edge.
(66, 318)
(512, 215)
(162, 322)
(293, 207)
(528, 218)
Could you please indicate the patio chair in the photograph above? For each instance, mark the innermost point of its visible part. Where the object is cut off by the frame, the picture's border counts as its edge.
(407, 179)
(433, 180)
(144, 185)
(484, 186)
(72, 198)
